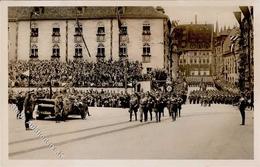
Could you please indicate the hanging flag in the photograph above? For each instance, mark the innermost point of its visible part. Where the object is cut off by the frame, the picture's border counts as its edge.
(80, 32)
(119, 9)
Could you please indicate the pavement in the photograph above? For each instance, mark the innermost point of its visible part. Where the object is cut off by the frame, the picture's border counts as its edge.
(200, 133)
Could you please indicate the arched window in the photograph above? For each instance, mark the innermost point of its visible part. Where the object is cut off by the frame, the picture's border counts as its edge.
(34, 51)
(78, 50)
(55, 51)
(123, 50)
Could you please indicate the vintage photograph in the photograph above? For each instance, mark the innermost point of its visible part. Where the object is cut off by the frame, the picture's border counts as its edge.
(131, 82)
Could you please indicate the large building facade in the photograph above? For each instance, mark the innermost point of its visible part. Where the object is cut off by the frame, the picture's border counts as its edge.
(245, 18)
(194, 49)
(45, 33)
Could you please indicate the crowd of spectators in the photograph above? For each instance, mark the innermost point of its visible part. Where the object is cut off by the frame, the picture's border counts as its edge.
(78, 73)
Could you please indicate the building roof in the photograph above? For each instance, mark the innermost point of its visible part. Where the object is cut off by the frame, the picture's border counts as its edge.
(89, 12)
(194, 36)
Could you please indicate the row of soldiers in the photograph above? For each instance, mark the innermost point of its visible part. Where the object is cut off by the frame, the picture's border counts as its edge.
(208, 97)
(156, 102)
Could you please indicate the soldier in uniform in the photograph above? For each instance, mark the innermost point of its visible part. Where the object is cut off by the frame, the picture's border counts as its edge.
(174, 106)
(150, 105)
(66, 108)
(29, 105)
(58, 108)
(19, 103)
(242, 107)
(143, 107)
(133, 106)
(159, 106)
(179, 104)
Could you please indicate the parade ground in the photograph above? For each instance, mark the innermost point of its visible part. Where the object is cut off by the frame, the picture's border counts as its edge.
(200, 133)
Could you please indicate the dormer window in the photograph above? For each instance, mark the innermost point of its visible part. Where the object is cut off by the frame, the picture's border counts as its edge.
(79, 10)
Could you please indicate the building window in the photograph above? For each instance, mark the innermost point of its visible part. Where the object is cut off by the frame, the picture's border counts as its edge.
(146, 49)
(55, 31)
(123, 30)
(100, 33)
(204, 61)
(101, 50)
(78, 29)
(180, 61)
(146, 29)
(55, 51)
(208, 61)
(34, 32)
(78, 51)
(101, 30)
(184, 61)
(34, 52)
(195, 53)
(199, 61)
(146, 53)
(123, 50)
(191, 61)
(195, 61)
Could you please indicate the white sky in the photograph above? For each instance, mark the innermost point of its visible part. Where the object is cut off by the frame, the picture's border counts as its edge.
(209, 14)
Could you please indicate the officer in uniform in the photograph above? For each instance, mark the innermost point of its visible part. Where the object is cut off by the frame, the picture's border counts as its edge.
(174, 106)
(58, 108)
(29, 105)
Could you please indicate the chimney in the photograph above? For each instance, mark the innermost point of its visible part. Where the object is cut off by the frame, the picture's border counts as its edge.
(195, 19)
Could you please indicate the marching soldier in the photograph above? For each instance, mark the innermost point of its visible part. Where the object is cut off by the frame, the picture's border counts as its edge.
(159, 106)
(143, 108)
(179, 105)
(150, 105)
(133, 106)
(174, 107)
